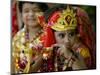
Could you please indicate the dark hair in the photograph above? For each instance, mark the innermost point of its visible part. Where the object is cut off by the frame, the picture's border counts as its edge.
(42, 6)
(49, 12)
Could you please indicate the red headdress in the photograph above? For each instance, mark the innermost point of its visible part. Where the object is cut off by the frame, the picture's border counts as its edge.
(48, 36)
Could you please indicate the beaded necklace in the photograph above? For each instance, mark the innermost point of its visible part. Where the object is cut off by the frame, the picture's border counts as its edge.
(24, 65)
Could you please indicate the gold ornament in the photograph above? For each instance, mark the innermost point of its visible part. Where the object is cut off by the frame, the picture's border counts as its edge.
(66, 21)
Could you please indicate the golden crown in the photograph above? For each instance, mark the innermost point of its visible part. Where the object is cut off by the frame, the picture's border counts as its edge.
(66, 21)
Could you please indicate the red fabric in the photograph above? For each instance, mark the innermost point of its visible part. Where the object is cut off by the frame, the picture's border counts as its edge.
(41, 20)
(88, 62)
(14, 19)
(48, 38)
(86, 33)
(54, 17)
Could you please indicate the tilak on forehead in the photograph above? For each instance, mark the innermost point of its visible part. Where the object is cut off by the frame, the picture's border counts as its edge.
(63, 20)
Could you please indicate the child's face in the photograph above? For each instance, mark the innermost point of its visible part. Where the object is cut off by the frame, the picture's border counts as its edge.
(30, 13)
(66, 38)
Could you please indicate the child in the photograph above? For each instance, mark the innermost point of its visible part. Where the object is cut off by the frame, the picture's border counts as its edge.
(26, 57)
(74, 47)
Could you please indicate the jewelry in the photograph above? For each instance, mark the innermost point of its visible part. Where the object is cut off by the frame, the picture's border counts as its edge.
(65, 20)
(23, 66)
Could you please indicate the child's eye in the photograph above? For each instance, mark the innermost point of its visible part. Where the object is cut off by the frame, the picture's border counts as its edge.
(61, 35)
(71, 34)
(36, 10)
(25, 11)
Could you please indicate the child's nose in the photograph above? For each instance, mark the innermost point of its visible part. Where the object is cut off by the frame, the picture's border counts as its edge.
(31, 13)
(66, 40)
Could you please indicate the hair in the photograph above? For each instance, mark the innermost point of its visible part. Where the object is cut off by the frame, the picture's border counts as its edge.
(42, 6)
(50, 11)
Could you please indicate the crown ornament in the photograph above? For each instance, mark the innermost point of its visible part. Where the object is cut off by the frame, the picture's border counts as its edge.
(66, 21)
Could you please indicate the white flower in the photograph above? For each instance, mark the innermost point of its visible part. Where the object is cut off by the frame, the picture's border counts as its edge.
(30, 45)
(22, 40)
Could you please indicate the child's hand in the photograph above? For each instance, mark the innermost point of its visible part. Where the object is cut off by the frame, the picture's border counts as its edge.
(62, 50)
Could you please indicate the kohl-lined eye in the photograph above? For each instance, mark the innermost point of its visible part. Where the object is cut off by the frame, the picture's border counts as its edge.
(36, 10)
(61, 35)
(71, 34)
(26, 10)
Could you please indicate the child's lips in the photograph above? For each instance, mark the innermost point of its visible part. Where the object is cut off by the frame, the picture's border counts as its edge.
(68, 45)
(31, 19)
